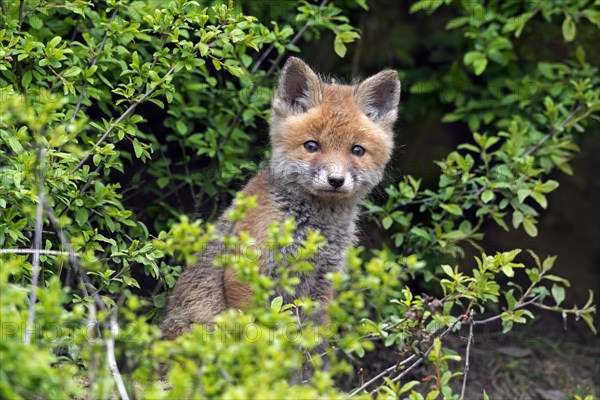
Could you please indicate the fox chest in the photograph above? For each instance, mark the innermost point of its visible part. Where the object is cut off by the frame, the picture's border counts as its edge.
(329, 257)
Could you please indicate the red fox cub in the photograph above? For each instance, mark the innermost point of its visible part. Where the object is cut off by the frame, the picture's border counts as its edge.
(330, 145)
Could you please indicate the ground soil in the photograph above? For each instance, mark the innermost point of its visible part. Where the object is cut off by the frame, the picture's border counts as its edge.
(540, 360)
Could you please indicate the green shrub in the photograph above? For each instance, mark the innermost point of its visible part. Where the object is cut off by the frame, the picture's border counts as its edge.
(169, 100)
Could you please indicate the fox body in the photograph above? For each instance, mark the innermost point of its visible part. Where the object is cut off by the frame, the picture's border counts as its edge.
(330, 145)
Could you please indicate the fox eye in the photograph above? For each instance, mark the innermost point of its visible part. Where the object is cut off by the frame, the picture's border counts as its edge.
(311, 146)
(358, 151)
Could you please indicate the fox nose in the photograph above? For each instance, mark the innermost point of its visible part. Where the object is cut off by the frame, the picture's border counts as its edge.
(336, 181)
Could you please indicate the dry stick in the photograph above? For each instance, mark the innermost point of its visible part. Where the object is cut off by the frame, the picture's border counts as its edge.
(39, 223)
(94, 61)
(118, 121)
(34, 251)
(112, 361)
(470, 340)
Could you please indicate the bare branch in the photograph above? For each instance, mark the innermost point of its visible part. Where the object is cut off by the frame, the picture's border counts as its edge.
(381, 374)
(37, 243)
(406, 361)
(469, 341)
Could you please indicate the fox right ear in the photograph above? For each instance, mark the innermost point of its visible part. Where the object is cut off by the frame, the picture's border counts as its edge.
(298, 90)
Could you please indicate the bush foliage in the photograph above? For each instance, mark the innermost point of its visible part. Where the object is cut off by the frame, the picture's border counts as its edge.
(168, 102)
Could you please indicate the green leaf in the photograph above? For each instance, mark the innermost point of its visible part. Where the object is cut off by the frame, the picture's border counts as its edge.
(530, 228)
(592, 15)
(81, 216)
(508, 271)
(487, 196)
(137, 148)
(452, 209)
(73, 71)
(182, 127)
(548, 186)
(558, 294)
(339, 47)
(480, 65)
(568, 29)
(548, 263)
(387, 222)
(589, 320)
(27, 76)
(55, 41)
(421, 233)
(162, 182)
(160, 300)
(517, 218)
(522, 194)
(408, 386)
(362, 4)
(276, 304)
(448, 270)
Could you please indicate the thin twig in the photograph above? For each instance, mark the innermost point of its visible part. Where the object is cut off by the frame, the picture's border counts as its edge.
(37, 243)
(118, 121)
(35, 251)
(469, 341)
(112, 361)
(94, 61)
(517, 306)
(553, 132)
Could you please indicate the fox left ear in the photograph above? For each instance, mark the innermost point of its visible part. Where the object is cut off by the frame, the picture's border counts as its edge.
(378, 97)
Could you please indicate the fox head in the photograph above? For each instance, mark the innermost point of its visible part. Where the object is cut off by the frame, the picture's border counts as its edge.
(330, 140)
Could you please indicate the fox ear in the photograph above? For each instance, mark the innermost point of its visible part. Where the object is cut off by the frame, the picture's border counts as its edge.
(378, 97)
(298, 90)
